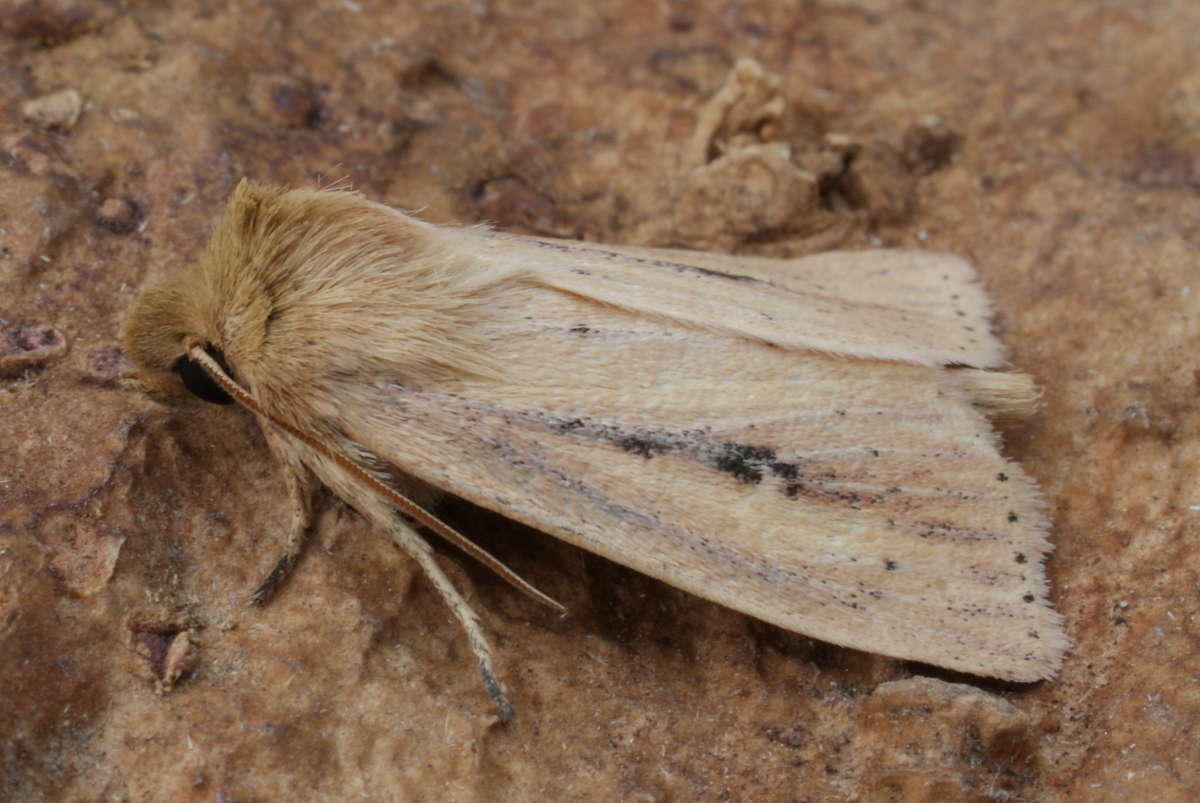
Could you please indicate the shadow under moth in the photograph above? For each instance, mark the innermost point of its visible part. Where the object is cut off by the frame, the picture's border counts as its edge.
(805, 440)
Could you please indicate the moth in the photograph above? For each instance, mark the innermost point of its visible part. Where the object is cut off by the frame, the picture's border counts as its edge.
(806, 441)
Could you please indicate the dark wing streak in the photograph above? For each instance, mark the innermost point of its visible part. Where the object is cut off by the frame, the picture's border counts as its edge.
(532, 461)
(757, 309)
(661, 533)
(799, 474)
(797, 586)
(651, 524)
(765, 286)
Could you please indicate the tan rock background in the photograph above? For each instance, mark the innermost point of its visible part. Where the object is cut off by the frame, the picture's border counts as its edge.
(1056, 145)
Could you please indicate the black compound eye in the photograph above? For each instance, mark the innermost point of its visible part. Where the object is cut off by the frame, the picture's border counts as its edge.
(197, 380)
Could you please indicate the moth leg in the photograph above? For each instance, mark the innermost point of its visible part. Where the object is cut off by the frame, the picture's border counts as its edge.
(411, 542)
(302, 489)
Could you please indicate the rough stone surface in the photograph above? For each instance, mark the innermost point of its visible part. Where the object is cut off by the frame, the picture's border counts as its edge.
(1054, 145)
(57, 110)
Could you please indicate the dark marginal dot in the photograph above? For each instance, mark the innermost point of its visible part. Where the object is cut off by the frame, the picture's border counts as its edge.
(1027, 598)
(580, 329)
(1034, 634)
(1002, 477)
(891, 565)
(875, 453)
(1021, 557)
(1012, 517)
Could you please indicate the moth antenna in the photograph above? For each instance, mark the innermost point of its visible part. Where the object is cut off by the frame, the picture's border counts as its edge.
(412, 543)
(194, 347)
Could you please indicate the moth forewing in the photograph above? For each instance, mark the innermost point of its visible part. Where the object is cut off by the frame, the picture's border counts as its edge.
(913, 306)
(867, 510)
(780, 436)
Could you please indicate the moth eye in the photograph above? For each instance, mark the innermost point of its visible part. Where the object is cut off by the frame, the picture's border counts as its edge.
(197, 380)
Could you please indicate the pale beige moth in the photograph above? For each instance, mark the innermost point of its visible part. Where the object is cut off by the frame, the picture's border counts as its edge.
(805, 441)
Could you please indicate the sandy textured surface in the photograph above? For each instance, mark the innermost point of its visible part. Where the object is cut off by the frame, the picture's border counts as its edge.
(1057, 146)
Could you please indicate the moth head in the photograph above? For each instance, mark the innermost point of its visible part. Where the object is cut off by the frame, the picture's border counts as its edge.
(154, 339)
(219, 301)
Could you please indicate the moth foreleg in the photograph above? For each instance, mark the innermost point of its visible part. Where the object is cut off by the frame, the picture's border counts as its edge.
(411, 542)
(302, 488)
